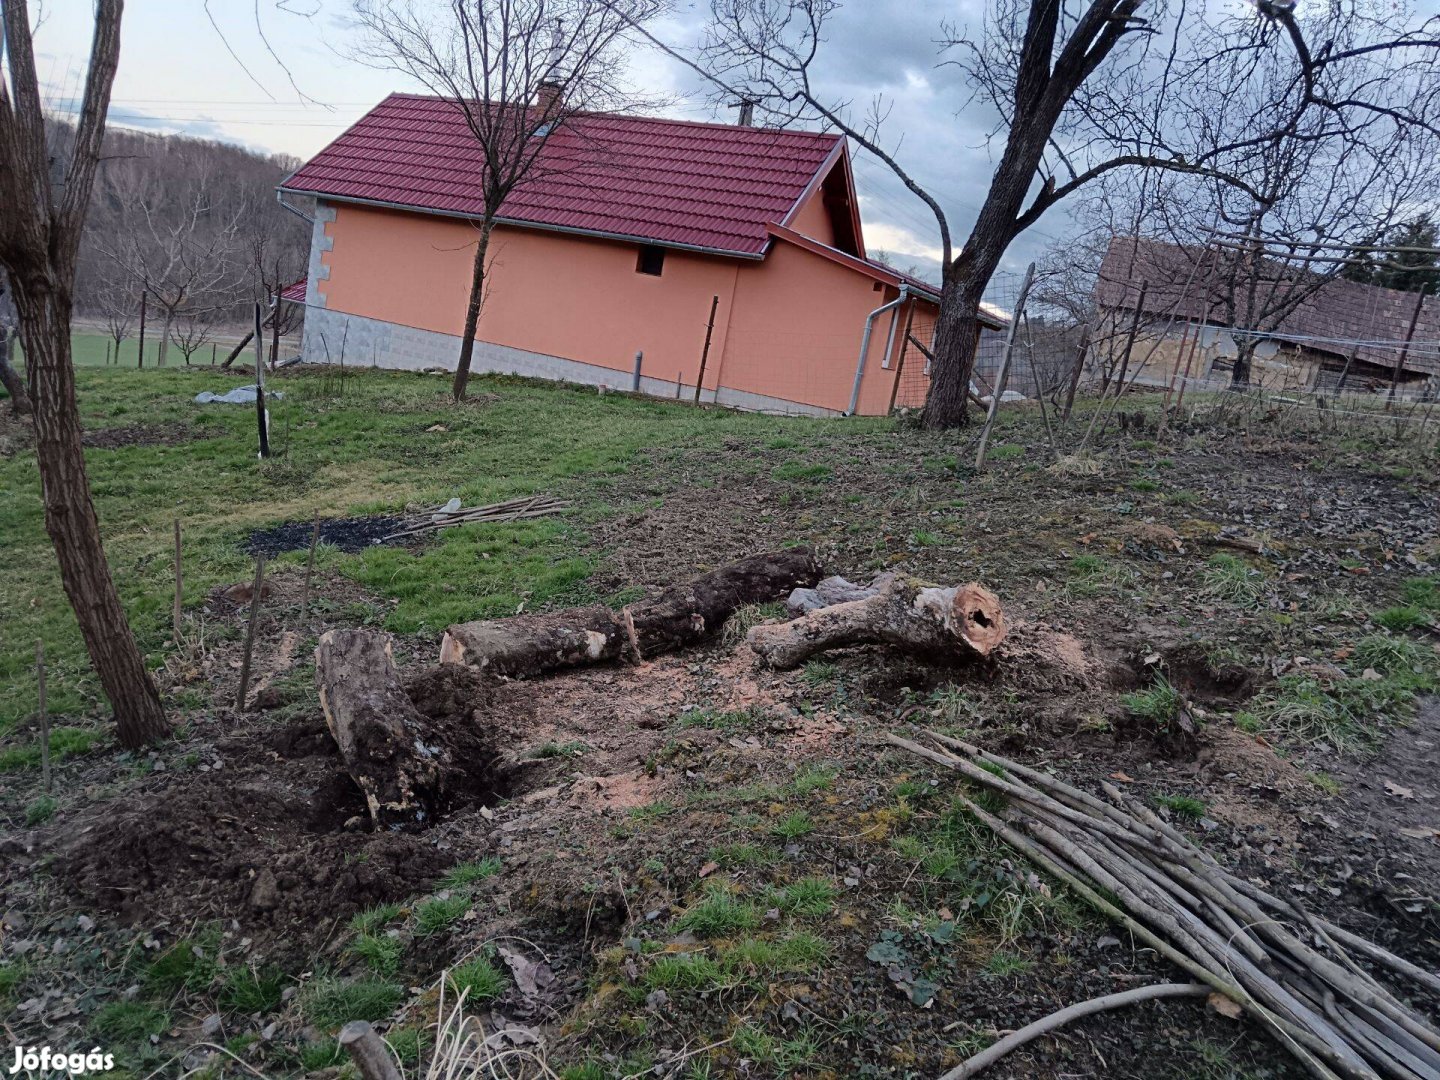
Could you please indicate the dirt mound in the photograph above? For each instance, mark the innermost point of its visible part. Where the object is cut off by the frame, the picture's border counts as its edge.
(271, 842)
(348, 534)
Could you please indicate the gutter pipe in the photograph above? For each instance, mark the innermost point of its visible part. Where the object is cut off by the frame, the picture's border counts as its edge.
(865, 343)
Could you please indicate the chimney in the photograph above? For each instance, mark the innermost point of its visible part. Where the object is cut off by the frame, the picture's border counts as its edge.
(547, 99)
(747, 112)
(548, 93)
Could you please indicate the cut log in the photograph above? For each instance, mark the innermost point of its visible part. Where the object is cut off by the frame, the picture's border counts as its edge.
(679, 616)
(963, 620)
(381, 735)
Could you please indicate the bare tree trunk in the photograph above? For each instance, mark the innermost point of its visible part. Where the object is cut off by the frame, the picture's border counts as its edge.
(11, 379)
(957, 343)
(70, 514)
(164, 338)
(1244, 361)
(472, 311)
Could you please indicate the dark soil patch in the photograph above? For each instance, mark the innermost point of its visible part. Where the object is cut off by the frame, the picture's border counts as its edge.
(348, 534)
(274, 840)
(117, 438)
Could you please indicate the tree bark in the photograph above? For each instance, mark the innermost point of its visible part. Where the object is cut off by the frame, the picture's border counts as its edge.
(1244, 362)
(378, 729)
(11, 379)
(680, 616)
(472, 311)
(962, 620)
(70, 519)
(164, 347)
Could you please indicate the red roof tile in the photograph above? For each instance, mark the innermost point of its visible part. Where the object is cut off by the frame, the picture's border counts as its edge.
(670, 182)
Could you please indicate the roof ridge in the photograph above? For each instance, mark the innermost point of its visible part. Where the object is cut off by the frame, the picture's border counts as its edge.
(676, 121)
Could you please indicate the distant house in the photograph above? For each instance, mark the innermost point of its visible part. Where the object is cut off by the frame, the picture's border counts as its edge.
(620, 246)
(1198, 307)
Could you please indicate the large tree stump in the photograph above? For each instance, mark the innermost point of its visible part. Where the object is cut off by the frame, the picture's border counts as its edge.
(964, 620)
(679, 616)
(380, 733)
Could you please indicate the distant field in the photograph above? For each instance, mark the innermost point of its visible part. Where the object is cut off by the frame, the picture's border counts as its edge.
(90, 350)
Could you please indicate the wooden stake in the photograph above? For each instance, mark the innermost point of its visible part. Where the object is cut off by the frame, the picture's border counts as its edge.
(368, 1051)
(175, 615)
(705, 352)
(262, 419)
(250, 632)
(44, 713)
(309, 567)
(1405, 349)
(140, 362)
(998, 390)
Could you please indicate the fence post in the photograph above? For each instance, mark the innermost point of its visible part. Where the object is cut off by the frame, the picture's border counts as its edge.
(260, 387)
(1405, 349)
(140, 363)
(44, 713)
(639, 360)
(1004, 373)
(255, 593)
(179, 593)
(705, 352)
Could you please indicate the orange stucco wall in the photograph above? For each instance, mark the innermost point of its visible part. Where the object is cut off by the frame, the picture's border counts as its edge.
(813, 219)
(787, 327)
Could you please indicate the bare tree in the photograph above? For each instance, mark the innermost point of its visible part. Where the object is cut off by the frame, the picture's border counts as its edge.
(40, 233)
(518, 71)
(192, 329)
(1081, 88)
(184, 247)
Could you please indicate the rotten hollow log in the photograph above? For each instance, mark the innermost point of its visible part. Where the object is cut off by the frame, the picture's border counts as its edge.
(380, 733)
(964, 620)
(679, 616)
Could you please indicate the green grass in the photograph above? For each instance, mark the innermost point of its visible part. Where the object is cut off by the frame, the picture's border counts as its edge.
(329, 1002)
(479, 979)
(1160, 703)
(189, 964)
(381, 953)
(1092, 574)
(246, 990)
(746, 855)
(796, 470)
(793, 826)
(436, 916)
(685, 971)
(1006, 452)
(718, 913)
(808, 898)
(1401, 618)
(343, 455)
(1231, 579)
(64, 742)
(40, 811)
(372, 919)
(471, 872)
(127, 1021)
(1184, 807)
(1422, 592)
(1005, 964)
(814, 778)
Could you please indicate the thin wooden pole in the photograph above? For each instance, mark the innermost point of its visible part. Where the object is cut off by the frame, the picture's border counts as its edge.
(44, 714)
(309, 567)
(1076, 373)
(255, 593)
(1409, 337)
(261, 418)
(1134, 330)
(140, 354)
(705, 352)
(179, 587)
(1002, 375)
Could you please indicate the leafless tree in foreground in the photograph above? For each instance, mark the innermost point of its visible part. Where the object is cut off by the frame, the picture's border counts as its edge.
(1081, 88)
(39, 237)
(519, 72)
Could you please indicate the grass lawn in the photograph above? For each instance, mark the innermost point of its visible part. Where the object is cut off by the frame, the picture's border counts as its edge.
(368, 451)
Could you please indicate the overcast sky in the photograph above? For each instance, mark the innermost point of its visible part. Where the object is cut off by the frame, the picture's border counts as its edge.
(178, 72)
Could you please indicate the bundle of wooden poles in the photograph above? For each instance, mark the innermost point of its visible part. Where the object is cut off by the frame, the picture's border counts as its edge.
(1313, 985)
(452, 513)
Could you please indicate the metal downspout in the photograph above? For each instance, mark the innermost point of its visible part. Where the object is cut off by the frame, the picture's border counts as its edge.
(865, 344)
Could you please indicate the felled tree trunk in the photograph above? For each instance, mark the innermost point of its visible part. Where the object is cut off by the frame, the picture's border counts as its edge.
(380, 734)
(681, 615)
(964, 620)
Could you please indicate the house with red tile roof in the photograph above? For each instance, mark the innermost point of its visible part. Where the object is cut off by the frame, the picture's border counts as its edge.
(646, 254)
(1308, 333)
